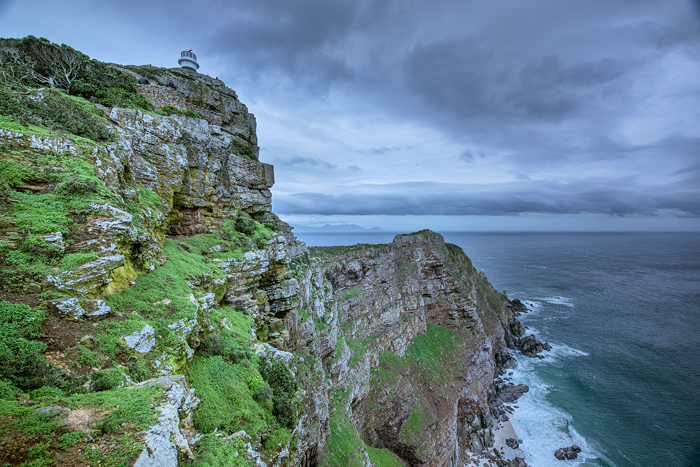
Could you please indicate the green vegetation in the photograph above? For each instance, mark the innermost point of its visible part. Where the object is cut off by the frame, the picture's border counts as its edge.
(494, 300)
(344, 448)
(326, 252)
(52, 109)
(428, 360)
(239, 390)
(121, 413)
(284, 389)
(350, 294)
(75, 260)
(71, 187)
(21, 359)
(170, 110)
(433, 348)
(243, 150)
(72, 438)
(12, 173)
(36, 62)
(227, 392)
(358, 349)
(150, 72)
(304, 314)
(413, 428)
(216, 452)
(383, 458)
(420, 232)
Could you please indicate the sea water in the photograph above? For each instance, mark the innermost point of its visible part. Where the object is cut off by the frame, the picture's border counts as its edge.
(622, 312)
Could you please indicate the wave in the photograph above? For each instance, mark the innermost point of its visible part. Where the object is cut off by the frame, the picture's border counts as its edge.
(543, 427)
(559, 301)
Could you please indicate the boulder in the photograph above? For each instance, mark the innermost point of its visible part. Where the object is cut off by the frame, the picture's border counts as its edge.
(141, 341)
(174, 428)
(74, 308)
(567, 453)
(59, 413)
(511, 393)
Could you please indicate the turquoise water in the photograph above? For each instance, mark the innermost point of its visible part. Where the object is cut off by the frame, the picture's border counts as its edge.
(622, 311)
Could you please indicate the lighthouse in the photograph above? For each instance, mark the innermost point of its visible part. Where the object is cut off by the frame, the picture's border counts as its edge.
(188, 60)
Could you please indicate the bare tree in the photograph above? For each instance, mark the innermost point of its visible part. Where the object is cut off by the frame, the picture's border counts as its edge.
(16, 68)
(58, 65)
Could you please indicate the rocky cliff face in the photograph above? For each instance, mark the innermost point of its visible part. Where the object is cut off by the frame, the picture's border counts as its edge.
(152, 264)
(410, 338)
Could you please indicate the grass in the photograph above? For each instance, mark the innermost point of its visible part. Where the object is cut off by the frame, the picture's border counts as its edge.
(433, 350)
(243, 150)
(239, 391)
(327, 252)
(358, 349)
(128, 406)
(170, 110)
(429, 359)
(414, 427)
(53, 111)
(215, 451)
(350, 294)
(227, 393)
(125, 410)
(12, 173)
(12, 124)
(75, 260)
(383, 458)
(345, 447)
(19, 324)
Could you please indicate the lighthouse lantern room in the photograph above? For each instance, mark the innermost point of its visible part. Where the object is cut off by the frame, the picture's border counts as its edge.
(188, 60)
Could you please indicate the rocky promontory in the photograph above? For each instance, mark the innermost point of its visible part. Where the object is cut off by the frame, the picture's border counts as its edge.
(156, 312)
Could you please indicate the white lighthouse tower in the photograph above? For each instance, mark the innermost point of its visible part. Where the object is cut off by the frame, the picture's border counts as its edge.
(188, 60)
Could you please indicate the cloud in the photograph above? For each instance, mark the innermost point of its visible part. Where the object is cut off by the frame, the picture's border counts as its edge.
(296, 40)
(380, 150)
(298, 160)
(617, 197)
(586, 106)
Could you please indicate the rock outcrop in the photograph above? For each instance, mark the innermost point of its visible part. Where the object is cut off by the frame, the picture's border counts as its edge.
(158, 266)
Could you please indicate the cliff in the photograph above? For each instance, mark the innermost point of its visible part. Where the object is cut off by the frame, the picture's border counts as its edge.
(156, 312)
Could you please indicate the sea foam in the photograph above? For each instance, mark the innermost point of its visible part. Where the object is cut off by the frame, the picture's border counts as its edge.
(543, 427)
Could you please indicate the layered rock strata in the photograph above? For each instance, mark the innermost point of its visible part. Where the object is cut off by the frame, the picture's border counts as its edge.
(386, 351)
(411, 338)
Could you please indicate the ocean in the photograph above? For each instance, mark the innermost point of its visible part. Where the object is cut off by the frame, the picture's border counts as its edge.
(622, 312)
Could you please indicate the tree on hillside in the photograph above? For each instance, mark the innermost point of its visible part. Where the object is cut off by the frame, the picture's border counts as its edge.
(32, 62)
(54, 65)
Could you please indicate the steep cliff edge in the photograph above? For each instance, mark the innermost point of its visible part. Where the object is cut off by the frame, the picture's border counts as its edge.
(410, 338)
(154, 311)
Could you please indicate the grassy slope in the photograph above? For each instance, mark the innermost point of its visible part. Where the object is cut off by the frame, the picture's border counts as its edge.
(68, 185)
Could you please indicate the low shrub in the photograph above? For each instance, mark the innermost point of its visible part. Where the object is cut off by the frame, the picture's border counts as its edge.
(210, 346)
(284, 386)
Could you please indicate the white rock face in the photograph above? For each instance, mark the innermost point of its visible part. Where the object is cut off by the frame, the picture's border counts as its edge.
(142, 341)
(56, 239)
(69, 306)
(76, 308)
(170, 434)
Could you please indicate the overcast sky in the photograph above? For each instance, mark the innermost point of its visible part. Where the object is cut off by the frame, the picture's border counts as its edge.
(441, 114)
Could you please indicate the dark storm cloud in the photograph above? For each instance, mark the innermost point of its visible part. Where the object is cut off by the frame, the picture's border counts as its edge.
(297, 39)
(618, 197)
(464, 77)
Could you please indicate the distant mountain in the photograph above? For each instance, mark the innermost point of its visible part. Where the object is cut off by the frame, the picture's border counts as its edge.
(334, 228)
